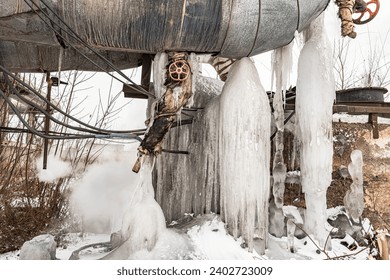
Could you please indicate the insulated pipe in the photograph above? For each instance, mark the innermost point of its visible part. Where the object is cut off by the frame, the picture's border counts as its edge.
(130, 28)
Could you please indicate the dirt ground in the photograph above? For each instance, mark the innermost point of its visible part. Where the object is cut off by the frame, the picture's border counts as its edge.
(376, 169)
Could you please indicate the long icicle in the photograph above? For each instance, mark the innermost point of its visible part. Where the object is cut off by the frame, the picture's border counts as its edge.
(314, 108)
(282, 66)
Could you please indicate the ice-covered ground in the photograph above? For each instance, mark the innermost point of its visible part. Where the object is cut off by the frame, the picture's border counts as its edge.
(206, 239)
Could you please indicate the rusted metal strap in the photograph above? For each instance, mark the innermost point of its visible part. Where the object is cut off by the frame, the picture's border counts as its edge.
(345, 14)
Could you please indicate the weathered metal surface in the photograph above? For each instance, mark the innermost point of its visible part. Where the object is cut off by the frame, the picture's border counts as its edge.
(277, 25)
(127, 29)
(13, 7)
(30, 57)
(363, 108)
(309, 10)
(365, 94)
(242, 31)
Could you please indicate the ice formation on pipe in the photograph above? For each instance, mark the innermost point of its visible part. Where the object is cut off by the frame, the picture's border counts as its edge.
(190, 183)
(143, 222)
(282, 66)
(354, 198)
(244, 147)
(314, 103)
(194, 61)
(160, 63)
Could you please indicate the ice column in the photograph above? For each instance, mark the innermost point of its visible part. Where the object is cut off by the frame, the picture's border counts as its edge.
(159, 73)
(194, 61)
(144, 221)
(291, 234)
(282, 65)
(354, 198)
(314, 103)
(159, 68)
(244, 147)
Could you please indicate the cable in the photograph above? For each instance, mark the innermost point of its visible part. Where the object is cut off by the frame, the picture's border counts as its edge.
(33, 130)
(68, 136)
(61, 111)
(43, 111)
(23, 130)
(77, 37)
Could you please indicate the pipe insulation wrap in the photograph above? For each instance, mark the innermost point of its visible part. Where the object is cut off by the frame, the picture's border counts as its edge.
(125, 29)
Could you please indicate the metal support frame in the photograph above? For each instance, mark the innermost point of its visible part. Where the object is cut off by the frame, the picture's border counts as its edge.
(129, 90)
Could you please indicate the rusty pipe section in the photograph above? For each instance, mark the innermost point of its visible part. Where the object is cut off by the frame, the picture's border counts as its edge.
(128, 28)
(178, 91)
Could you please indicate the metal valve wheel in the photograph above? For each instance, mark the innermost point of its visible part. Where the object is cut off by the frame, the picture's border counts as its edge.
(179, 70)
(364, 11)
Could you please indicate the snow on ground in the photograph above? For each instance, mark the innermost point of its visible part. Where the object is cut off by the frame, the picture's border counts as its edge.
(206, 238)
(347, 118)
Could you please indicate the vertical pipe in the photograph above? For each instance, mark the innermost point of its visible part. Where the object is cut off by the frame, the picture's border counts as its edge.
(146, 71)
(47, 120)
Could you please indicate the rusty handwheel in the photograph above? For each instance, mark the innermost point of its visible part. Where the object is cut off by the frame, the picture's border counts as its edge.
(364, 11)
(179, 70)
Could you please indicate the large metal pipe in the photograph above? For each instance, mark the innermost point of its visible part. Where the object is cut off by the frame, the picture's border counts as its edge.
(229, 28)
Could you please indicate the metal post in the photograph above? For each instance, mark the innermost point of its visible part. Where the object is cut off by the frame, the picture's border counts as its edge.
(146, 71)
(373, 119)
(47, 121)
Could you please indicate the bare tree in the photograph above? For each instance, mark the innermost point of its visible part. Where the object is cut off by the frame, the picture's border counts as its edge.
(345, 70)
(366, 69)
(29, 206)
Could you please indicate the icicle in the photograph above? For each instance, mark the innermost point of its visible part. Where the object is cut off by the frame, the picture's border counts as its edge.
(159, 71)
(160, 63)
(193, 60)
(354, 198)
(60, 58)
(281, 69)
(176, 94)
(245, 153)
(282, 62)
(314, 103)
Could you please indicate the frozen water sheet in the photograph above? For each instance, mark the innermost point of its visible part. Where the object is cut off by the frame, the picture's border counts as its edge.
(143, 223)
(244, 148)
